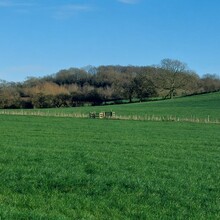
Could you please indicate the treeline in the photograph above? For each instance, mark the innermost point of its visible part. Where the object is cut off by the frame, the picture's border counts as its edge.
(76, 87)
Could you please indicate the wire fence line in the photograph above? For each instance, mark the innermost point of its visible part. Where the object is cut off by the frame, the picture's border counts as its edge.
(44, 114)
(169, 118)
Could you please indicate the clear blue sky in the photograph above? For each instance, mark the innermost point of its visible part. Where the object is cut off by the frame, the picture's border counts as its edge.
(40, 37)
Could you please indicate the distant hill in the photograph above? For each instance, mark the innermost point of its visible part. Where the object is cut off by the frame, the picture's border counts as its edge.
(91, 85)
(199, 106)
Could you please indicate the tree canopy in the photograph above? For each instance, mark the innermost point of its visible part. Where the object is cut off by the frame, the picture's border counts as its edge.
(98, 85)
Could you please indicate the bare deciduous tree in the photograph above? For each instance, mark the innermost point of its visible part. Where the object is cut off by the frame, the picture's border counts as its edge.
(172, 75)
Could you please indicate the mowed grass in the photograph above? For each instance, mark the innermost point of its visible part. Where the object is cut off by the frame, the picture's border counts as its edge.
(68, 168)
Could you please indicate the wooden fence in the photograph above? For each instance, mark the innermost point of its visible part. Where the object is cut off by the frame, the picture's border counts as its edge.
(102, 114)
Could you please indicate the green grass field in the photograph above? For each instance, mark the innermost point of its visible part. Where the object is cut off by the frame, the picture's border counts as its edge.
(200, 106)
(70, 168)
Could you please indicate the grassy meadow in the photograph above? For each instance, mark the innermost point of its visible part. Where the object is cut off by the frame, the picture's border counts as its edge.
(202, 107)
(80, 168)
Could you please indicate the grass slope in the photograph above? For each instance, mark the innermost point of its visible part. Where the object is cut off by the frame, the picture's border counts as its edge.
(200, 106)
(65, 168)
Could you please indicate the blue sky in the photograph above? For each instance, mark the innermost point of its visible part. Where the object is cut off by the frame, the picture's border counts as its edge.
(40, 37)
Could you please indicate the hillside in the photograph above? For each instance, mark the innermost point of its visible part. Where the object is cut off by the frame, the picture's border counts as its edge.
(199, 107)
(76, 87)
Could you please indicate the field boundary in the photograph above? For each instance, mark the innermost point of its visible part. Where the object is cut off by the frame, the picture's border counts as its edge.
(43, 114)
(169, 118)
